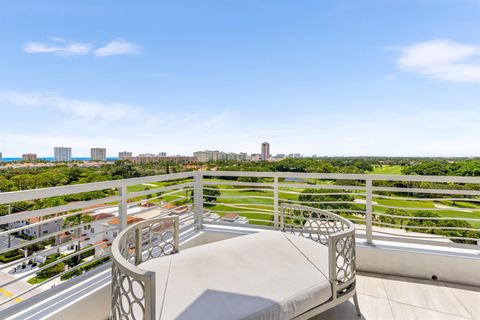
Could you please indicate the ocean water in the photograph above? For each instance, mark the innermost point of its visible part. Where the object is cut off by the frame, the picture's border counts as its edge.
(52, 159)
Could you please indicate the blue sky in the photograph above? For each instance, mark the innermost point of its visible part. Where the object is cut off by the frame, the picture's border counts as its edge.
(398, 78)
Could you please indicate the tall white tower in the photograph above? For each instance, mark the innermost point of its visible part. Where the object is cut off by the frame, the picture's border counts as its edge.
(98, 154)
(62, 154)
(265, 151)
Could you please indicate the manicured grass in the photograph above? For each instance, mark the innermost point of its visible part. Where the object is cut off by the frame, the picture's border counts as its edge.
(253, 203)
(387, 169)
(426, 205)
(36, 280)
(10, 256)
(252, 200)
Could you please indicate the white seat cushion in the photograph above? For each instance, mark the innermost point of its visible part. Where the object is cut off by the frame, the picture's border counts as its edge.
(258, 276)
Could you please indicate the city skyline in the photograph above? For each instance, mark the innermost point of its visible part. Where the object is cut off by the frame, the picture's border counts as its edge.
(302, 77)
(116, 154)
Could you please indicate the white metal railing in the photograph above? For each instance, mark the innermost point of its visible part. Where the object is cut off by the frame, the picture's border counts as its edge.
(383, 207)
(365, 192)
(119, 198)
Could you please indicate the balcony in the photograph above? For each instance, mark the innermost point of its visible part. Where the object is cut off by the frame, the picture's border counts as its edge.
(416, 237)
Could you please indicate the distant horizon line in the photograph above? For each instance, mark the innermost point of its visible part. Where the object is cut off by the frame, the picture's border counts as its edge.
(87, 158)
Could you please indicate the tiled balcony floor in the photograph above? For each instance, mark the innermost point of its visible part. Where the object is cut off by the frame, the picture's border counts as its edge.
(388, 297)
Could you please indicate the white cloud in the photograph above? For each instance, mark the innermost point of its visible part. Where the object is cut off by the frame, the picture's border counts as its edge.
(416, 130)
(65, 48)
(49, 119)
(78, 108)
(117, 48)
(441, 59)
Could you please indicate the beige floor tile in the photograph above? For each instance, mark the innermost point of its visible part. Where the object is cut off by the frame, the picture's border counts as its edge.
(469, 297)
(371, 285)
(408, 312)
(372, 308)
(424, 295)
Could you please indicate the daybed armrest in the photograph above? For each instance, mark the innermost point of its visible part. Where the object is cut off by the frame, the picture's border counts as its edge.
(331, 230)
(341, 251)
(133, 289)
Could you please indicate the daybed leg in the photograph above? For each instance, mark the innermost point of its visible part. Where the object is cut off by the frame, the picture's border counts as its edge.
(357, 306)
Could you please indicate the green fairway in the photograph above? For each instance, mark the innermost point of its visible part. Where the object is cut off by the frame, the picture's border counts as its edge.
(387, 169)
(258, 204)
(411, 205)
(234, 199)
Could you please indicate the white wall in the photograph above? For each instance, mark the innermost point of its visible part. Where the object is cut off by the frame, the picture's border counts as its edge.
(446, 266)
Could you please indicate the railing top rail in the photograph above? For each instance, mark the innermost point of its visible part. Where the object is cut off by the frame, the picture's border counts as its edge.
(344, 176)
(326, 212)
(14, 196)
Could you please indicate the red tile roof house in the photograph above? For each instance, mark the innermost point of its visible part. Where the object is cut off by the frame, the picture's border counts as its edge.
(181, 209)
(115, 222)
(38, 230)
(230, 217)
(98, 225)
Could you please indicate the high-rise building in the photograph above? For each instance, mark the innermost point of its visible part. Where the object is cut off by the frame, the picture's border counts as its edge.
(265, 151)
(295, 155)
(29, 157)
(207, 156)
(98, 154)
(242, 156)
(255, 157)
(62, 154)
(122, 155)
(1, 158)
(203, 156)
(162, 154)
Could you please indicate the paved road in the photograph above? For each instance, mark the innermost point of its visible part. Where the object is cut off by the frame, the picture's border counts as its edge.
(4, 242)
(10, 290)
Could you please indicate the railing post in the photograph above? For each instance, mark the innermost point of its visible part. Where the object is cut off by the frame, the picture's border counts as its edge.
(198, 199)
(138, 245)
(275, 201)
(9, 235)
(368, 209)
(122, 208)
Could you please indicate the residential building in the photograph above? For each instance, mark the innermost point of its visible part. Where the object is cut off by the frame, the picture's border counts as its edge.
(124, 154)
(39, 229)
(29, 157)
(206, 156)
(162, 154)
(62, 154)
(1, 158)
(180, 159)
(255, 157)
(149, 157)
(234, 217)
(111, 234)
(98, 154)
(295, 155)
(143, 158)
(99, 223)
(265, 151)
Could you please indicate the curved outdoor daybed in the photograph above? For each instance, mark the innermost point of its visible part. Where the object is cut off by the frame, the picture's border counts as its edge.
(264, 275)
